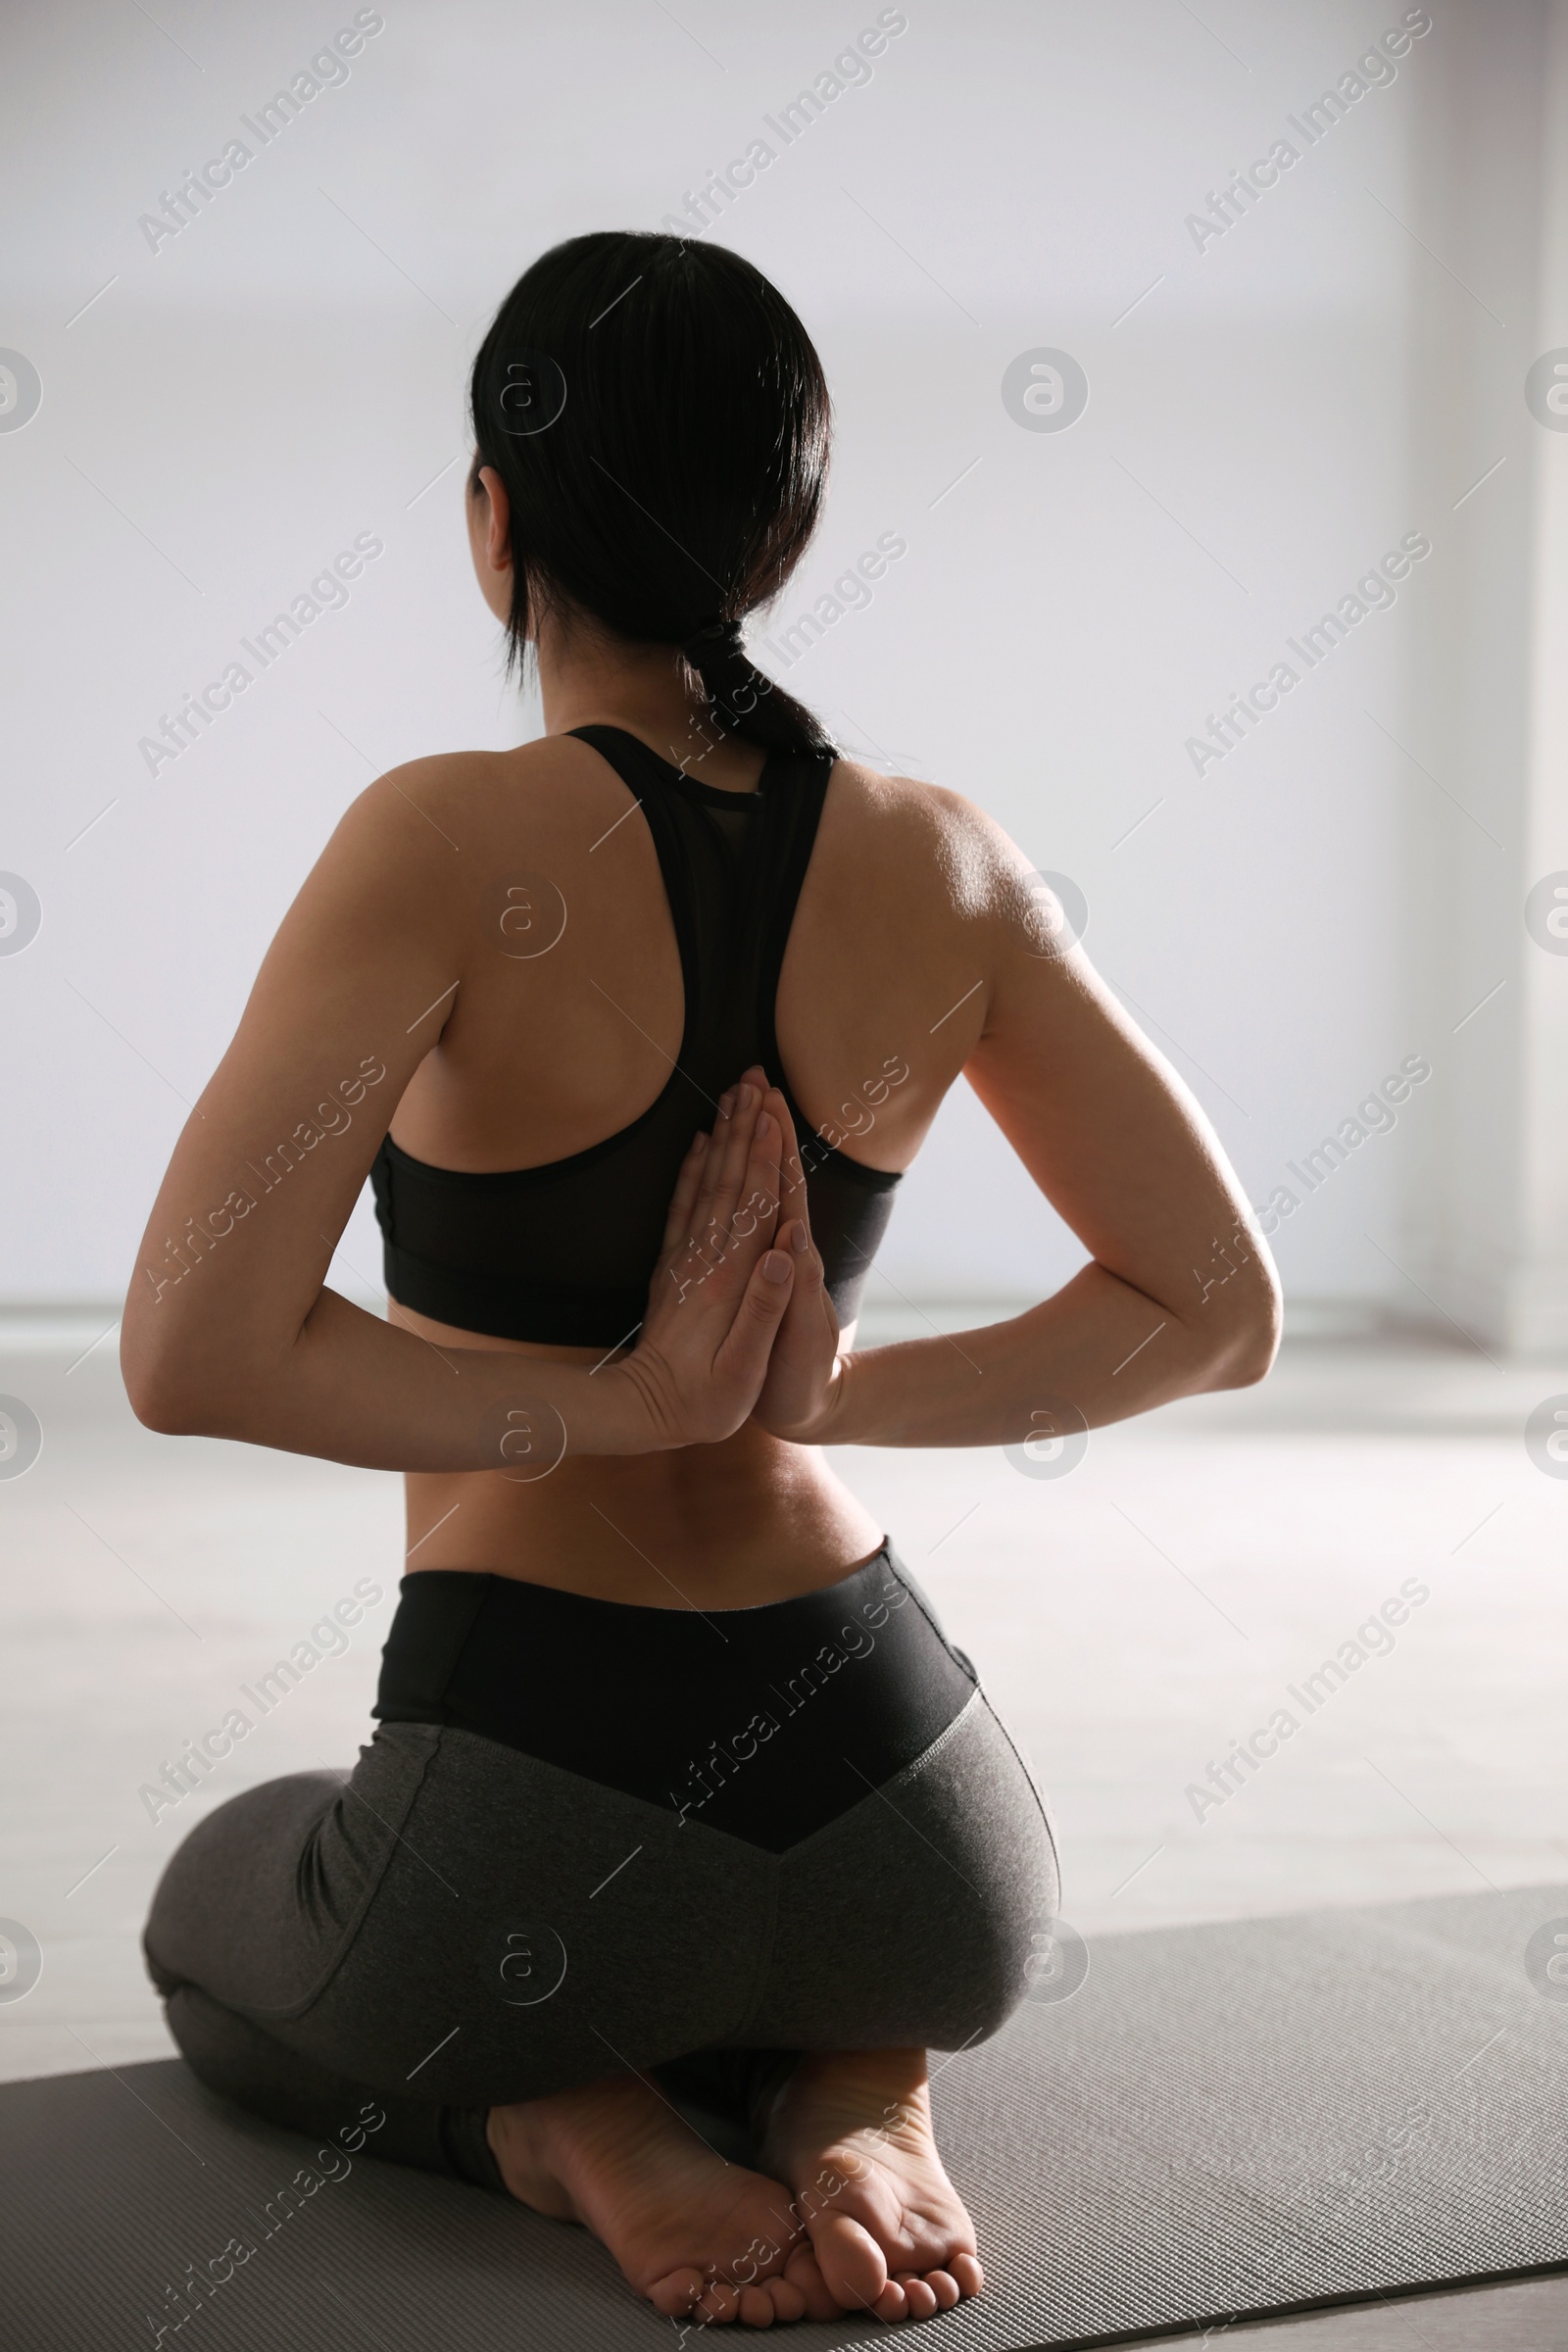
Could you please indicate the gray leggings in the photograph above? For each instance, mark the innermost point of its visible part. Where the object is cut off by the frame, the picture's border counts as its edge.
(455, 1925)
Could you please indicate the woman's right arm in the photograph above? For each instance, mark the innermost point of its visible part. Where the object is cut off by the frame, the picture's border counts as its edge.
(229, 1330)
(1179, 1295)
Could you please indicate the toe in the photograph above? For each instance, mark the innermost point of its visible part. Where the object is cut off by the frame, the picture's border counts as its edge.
(892, 2303)
(852, 2262)
(676, 2295)
(920, 2297)
(965, 2274)
(788, 2301)
(943, 2286)
(719, 2305)
(804, 2272)
(756, 2307)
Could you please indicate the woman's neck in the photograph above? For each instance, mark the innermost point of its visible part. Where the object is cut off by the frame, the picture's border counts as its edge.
(587, 679)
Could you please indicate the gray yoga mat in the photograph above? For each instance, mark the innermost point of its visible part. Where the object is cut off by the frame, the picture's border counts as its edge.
(1219, 2121)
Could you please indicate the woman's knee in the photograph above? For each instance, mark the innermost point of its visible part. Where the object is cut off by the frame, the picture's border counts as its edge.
(224, 1890)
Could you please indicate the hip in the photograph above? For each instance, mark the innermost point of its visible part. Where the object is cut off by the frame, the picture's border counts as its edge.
(587, 1833)
(765, 1721)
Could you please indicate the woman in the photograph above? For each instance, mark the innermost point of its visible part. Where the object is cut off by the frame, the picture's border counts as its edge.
(680, 1792)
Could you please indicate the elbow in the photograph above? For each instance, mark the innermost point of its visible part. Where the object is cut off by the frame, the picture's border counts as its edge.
(1247, 1349)
(170, 1415)
(163, 1402)
(165, 1389)
(1247, 1364)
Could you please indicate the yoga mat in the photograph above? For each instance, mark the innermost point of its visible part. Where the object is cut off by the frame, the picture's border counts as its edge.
(1259, 2117)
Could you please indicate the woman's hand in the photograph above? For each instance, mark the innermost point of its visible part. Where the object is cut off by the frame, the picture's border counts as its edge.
(721, 1288)
(804, 1371)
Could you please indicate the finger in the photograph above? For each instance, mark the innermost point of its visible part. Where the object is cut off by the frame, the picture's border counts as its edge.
(683, 1199)
(735, 1157)
(795, 1238)
(743, 1228)
(701, 1231)
(715, 1158)
(747, 1100)
(811, 1328)
(743, 1357)
(756, 1217)
(731, 1133)
(791, 1174)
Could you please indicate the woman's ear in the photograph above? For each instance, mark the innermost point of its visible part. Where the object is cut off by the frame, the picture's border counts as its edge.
(496, 517)
(489, 519)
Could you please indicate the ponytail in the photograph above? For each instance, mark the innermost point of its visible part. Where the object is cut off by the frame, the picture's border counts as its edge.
(745, 700)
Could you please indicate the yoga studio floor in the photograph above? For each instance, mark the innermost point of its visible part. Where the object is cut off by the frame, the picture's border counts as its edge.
(1178, 1592)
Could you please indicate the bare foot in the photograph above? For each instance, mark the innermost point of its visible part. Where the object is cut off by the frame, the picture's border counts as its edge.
(851, 2133)
(700, 2239)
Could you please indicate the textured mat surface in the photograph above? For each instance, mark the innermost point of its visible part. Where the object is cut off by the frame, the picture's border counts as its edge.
(1528, 2315)
(1240, 2119)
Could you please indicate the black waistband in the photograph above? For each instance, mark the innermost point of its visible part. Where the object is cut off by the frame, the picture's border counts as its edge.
(765, 1722)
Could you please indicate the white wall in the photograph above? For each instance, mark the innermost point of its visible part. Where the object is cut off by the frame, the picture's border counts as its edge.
(1487, 695)
(287, 373)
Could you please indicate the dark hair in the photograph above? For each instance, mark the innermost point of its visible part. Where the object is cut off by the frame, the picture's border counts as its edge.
(660, 421)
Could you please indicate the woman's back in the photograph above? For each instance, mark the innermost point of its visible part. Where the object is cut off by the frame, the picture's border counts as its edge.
(556, 1048)
(564, 1250)
(575, 1050)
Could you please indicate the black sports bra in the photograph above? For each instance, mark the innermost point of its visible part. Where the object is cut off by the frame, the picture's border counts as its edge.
(565, 1254)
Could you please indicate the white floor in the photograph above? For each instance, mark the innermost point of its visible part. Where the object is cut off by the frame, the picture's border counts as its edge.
(1132, 1620)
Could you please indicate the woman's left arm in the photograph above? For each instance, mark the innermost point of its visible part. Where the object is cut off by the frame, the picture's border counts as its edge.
(229, 1330)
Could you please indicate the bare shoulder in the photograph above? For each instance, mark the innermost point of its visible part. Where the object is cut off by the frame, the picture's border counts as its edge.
(545, 786)
(929, 843)
(428, 839)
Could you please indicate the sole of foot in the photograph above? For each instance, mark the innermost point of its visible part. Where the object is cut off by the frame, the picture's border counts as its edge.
(702, 2239)
(851, 2133)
